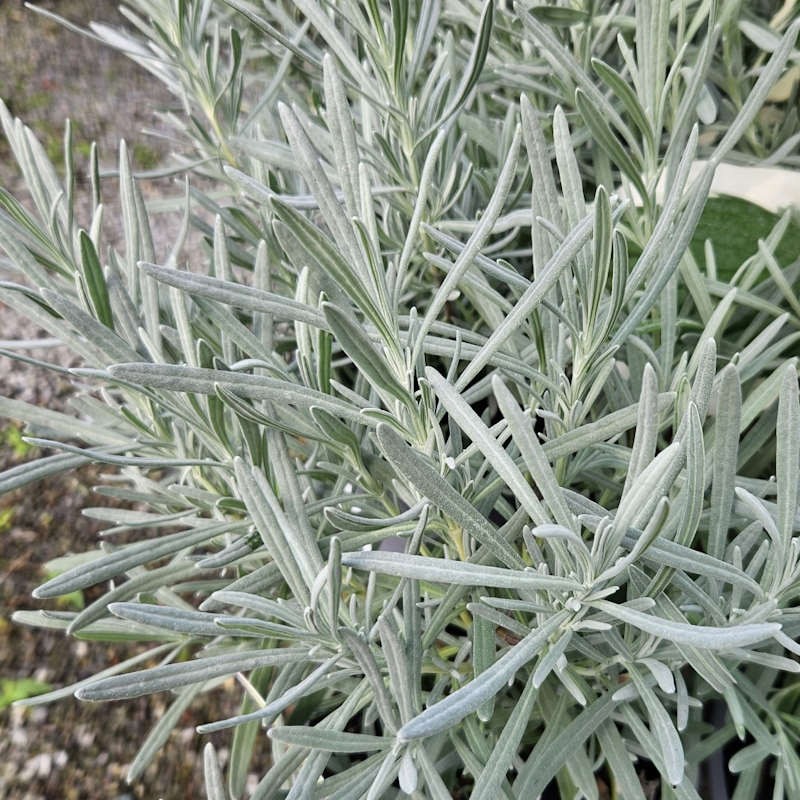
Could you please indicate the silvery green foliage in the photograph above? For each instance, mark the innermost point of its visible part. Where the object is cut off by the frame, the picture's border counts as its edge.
(449, 451)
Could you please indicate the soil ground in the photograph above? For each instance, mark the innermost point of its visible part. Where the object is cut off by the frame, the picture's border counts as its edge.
(71, 750)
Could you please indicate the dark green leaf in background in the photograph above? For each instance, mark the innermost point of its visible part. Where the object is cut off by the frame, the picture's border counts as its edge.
(734, 227)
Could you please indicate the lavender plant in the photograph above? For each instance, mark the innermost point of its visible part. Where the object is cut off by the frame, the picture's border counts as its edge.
(455, 449)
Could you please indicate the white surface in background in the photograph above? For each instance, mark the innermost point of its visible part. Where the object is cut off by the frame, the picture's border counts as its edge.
(772, 188)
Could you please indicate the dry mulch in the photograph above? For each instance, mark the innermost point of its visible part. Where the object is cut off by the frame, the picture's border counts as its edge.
(70, 749)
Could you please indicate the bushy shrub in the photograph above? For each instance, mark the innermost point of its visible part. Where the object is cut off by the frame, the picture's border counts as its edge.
(461, 449)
